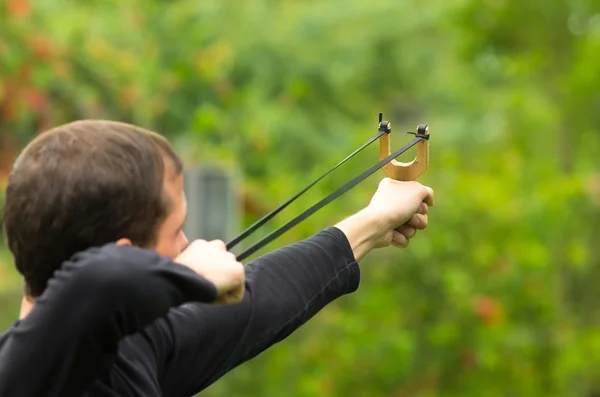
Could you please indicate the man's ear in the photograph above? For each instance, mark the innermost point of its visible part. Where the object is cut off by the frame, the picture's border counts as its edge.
(125, 242)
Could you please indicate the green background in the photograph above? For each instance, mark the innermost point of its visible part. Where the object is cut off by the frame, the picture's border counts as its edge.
(498, 297)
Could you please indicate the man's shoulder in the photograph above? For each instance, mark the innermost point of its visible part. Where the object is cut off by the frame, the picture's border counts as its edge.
(8, 332)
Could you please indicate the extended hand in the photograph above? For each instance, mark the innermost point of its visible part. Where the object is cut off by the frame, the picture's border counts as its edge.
(401, 209)
(395, 213)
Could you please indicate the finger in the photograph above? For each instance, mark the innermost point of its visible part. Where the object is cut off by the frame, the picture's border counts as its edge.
(220, 244)
(418, 221)
(399, 240)
(226, 299)
(197, 242)
(231, 256)
(423, 208)
(407, 231)
(238, 294)
(193, 244)
(233, 297)
(385, 180)
(428, 195)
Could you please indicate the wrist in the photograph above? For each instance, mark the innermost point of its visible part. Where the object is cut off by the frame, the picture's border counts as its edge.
(363, 231)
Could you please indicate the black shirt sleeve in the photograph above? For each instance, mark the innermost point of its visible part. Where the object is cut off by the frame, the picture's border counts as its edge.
(197, 344)
(96, 299)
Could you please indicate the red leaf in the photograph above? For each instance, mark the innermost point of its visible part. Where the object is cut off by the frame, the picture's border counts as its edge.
(20, 8)
(35, 99)
(41, 47)
(488, 309)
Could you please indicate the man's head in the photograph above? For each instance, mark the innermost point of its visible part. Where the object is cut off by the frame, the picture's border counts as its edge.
(89, 183)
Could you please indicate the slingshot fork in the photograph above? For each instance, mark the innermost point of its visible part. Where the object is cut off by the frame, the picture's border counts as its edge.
(399, 170)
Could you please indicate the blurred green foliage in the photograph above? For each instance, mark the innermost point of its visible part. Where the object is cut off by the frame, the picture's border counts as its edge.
(498, 297)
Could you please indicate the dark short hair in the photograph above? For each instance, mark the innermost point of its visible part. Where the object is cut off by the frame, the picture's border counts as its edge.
(82, 185)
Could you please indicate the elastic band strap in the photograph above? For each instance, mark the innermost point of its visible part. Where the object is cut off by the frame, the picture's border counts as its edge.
(349, 185)
(271, 214)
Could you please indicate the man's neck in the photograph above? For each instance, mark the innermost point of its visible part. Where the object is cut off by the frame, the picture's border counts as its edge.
(27, 304)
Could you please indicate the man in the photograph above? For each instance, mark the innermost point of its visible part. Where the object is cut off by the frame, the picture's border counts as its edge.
(116, 305)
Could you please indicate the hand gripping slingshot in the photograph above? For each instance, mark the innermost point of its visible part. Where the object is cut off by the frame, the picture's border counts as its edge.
(394, 169)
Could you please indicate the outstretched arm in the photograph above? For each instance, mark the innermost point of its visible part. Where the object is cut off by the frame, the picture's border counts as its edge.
(284, 289)
(97, 298)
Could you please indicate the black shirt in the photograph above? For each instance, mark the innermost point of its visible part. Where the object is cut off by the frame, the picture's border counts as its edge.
(121, 321)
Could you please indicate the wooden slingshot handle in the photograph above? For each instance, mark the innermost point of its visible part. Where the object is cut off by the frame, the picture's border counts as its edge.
(404, 171)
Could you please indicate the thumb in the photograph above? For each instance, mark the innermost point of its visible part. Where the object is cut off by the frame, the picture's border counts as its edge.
(427, 195)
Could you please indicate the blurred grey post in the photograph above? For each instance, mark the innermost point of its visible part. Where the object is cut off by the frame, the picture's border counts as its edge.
(214, 211)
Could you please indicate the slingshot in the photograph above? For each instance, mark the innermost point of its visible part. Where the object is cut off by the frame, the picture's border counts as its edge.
(394, 169)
